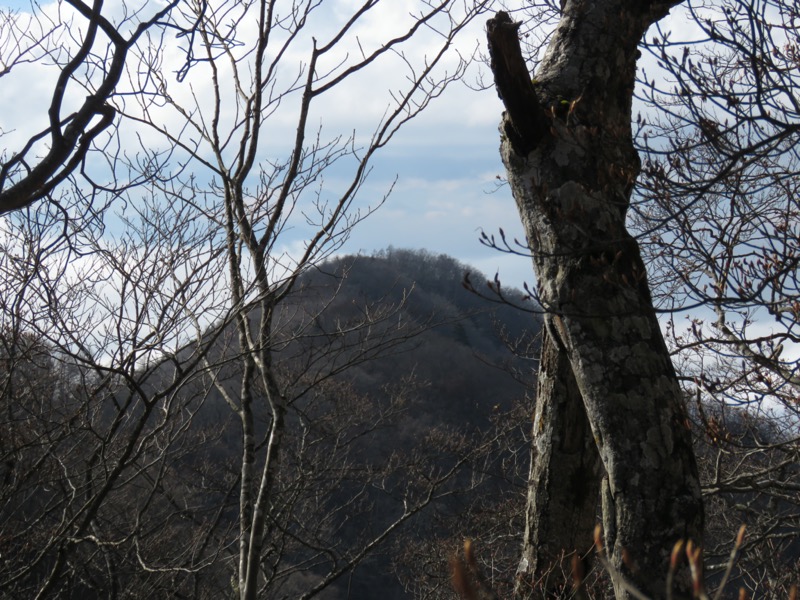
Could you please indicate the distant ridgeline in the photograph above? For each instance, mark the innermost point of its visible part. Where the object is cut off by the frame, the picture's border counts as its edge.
(456, 357)
(469, 357)
(395, 373)
(456, 339)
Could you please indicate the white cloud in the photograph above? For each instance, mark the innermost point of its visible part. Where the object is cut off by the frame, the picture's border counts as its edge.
(446, 160)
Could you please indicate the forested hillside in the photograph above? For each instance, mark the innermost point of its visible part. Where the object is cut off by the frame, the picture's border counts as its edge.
(202, 398)
(458, 343)
(463, 382)
(408, 447)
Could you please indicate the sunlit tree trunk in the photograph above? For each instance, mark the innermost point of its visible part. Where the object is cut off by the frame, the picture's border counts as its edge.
(571, 165)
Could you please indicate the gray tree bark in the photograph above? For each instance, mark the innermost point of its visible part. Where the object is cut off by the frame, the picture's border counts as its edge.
(568, 151)
(564, 481)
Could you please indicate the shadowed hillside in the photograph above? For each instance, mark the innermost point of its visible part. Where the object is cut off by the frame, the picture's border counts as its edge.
(404, 418)
(465, 383)
(460, 353)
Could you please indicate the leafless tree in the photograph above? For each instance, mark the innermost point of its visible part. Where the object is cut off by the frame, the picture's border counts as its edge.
(89, 48)
(568, 150)
(715, 217)
(174, 300)
(95, 445)
(718, 222)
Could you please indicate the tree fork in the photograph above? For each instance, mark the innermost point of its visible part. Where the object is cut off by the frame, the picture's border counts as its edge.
(568, 151)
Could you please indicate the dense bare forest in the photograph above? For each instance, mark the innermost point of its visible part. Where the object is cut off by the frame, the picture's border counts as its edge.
(432, 406)
(204, 396)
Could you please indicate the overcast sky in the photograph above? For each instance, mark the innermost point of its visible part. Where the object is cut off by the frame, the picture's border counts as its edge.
(446, 163)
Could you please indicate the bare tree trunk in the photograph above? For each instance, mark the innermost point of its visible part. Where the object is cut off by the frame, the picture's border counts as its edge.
(568, 151)
(564, 482)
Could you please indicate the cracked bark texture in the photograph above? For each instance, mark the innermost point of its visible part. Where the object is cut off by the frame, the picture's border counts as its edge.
(564, 481)
(567, 146)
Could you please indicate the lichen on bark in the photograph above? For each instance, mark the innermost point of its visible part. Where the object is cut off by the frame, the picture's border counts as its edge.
(567, 146)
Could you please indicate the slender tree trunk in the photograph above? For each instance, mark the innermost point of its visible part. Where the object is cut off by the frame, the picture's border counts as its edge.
(568, 150)
(564, 482)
